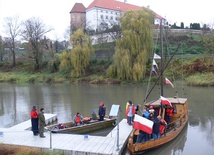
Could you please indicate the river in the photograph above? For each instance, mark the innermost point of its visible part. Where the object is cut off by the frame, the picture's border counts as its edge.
(16, 101)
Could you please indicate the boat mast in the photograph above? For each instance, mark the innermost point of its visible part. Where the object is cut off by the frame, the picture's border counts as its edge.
(161, 62)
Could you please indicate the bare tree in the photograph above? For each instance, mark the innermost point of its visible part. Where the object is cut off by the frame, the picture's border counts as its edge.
(108, 31)
(12, 29)
(34, 31)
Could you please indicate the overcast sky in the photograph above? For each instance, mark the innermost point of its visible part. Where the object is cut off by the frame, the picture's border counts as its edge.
(55, 13)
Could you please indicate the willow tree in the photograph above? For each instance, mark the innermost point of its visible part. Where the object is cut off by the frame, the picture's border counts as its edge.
(131, 51)
(79, 56)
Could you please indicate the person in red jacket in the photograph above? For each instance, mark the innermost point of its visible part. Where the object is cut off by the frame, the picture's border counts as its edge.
(78, 119)
(169, 113)
(162, 127)
(34, 121)
(130, 112)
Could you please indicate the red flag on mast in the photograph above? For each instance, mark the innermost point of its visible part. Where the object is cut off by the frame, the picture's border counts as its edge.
(169, 82)
(165, 101)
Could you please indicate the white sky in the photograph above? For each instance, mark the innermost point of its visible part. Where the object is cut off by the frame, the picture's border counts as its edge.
(55, 13)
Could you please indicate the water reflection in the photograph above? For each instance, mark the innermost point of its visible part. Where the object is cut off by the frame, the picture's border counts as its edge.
(16, 101)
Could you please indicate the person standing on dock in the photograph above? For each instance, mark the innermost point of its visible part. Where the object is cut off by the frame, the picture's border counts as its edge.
(130, 112)
(102, 111)
(41, 123)
(34, 121)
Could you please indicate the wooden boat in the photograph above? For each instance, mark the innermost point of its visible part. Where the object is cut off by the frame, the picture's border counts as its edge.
(179, 118)
(86, 127)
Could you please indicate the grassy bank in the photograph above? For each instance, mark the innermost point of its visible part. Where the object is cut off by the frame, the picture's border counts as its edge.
(197, 70)
(204, 79)
(198, 79)
(25, 77)
(6, 149)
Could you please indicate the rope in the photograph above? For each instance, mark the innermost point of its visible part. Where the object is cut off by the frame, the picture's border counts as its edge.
(147, 90)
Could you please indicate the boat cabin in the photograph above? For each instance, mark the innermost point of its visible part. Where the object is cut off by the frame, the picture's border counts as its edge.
(180, 107)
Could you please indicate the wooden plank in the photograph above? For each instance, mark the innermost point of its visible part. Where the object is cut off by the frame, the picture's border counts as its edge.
(107, 146)
(99, 143)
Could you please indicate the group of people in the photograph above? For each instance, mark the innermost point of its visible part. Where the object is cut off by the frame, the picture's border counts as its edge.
(79, 119)
(37, 121)
(159, 124)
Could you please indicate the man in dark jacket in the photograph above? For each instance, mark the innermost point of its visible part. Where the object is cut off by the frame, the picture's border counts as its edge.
(41, 123)
(156, 128)
(102, 111)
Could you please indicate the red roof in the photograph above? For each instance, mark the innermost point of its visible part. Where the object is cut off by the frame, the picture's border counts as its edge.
(113, 5)
(78, 7)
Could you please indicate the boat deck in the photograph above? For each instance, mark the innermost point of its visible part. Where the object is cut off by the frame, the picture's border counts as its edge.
(71, 143)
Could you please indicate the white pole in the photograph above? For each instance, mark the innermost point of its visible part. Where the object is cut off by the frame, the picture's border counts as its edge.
(118, 132)
(50, 139)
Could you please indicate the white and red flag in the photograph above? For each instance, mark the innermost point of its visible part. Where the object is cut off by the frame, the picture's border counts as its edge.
(169, 82)
(165, 101)
(141, 123)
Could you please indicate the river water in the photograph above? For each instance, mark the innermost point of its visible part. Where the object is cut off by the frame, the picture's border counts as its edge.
(16, 101)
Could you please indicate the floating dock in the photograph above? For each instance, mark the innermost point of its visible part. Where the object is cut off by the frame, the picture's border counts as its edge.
(70, 144)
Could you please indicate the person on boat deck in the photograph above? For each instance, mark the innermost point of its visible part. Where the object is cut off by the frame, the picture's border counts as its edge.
(162, 127)
(152, 110)
(130, 112)
(94, 115)
(137, 108)
(34, 121)
(78, 119)
(156, 128)
(101, 111)
(169, 113)
(146, 113)
(143, 136)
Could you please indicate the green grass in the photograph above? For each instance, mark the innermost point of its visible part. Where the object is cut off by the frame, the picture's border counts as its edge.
(205, 79)
(24, 77)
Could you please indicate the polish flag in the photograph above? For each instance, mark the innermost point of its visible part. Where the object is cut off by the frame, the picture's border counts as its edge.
(165, 101)
(141, 123)
(169, 82)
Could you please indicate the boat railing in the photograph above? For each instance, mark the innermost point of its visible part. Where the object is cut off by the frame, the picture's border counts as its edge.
(174, 124)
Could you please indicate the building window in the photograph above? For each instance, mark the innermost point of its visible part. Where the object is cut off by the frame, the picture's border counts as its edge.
(101, 16)
(111, 17)
(101, 10)
(106, 17)
(115, 18)
(116, 13)
(106, 11)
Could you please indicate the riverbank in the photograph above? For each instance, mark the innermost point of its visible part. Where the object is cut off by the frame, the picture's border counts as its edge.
(17, 150)
(202, 79)
(25, 77)
(196, 71)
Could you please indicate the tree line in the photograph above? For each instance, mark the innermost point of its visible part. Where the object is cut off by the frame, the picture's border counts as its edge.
(32, 33)
(133, 38)
(194, 26)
